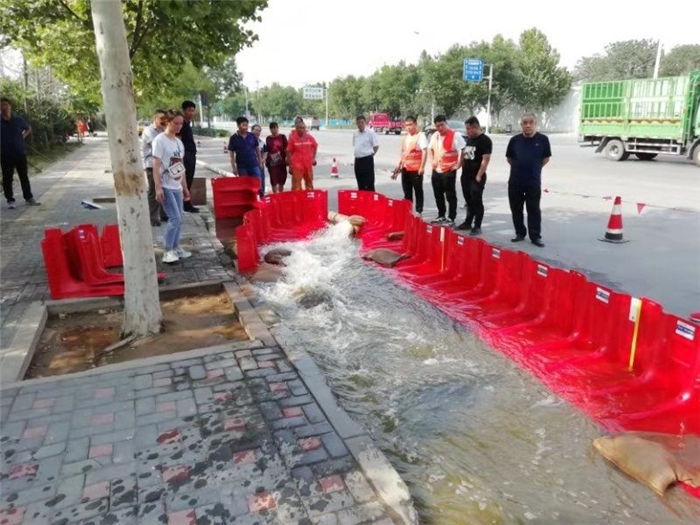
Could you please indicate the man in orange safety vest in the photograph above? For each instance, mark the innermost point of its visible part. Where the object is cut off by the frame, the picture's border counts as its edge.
(447, 152)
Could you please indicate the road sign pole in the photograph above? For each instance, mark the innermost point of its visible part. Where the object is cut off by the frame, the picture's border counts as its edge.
(488, 102)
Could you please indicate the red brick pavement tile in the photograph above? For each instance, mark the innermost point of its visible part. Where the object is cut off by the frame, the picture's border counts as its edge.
(96, 491)
(163, 381)
(102, 419)
(213, 374)
(34, 432)
(44, 403)
(278, 387)
(261, 501)
(292, 412)
(178, 473)
(100, 450)
(13, 516)
(170, 436)
(22, 470)
(182, 517)
(332, 483)
(104, 392)
(166, 406)
(244, 457)
(310, 443)
(235, 423)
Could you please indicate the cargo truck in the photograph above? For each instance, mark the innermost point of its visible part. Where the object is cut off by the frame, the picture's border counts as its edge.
(643, 117)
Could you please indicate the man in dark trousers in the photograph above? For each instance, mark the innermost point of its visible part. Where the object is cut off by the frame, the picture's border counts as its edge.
(13, 155)
(190, 159)
(527, 153)
(477, 155)
(365, 145)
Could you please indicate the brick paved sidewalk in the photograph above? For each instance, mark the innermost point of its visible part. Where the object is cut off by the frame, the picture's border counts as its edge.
(246, 432)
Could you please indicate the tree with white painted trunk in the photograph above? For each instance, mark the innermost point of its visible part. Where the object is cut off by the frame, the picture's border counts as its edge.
(142, 313)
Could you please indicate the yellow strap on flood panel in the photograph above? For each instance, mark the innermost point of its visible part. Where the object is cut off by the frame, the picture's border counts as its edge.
(635, 315)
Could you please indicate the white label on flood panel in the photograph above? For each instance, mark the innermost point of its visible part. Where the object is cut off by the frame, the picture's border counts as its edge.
(542, 270)
(460, 240)
(635, 306)
(685, 330)
(428, 228)
(353, 195)
(310, 195)
(390, 203)
(496, 253)
(442, 234)
(375, 196)
(602, 295)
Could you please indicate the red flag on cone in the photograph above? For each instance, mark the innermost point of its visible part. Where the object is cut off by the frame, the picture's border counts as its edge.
(640, 207)
(614, 231)
(334, 169)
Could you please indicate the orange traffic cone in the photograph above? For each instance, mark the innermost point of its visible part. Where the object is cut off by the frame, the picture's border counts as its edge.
(614, 232)
(334, 169)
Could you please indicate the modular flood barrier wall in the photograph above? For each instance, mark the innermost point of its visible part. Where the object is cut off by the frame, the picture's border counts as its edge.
(622, 360)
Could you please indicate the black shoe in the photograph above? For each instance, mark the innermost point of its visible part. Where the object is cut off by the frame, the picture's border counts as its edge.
(190, 208)
(155, 223)
(518, 238)
(475, 231)
(463, 226)
(438, 220)
(538, 242)
(163, 218)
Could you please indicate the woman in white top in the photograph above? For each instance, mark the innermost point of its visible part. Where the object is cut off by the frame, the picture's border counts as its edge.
(169, 179)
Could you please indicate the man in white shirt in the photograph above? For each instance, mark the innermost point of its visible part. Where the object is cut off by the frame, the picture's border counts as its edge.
(151, 132)
(447, 152)
(365, 144)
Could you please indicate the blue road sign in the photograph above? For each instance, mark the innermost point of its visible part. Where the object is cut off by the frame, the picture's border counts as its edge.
(473, 69)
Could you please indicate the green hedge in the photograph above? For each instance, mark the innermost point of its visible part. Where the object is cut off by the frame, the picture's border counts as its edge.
(210, 132)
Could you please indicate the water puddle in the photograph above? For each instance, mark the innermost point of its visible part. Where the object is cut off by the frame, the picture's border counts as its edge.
(476, 439)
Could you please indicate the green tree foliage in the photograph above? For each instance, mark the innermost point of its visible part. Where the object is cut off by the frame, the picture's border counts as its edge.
(541, 83)
(278, 102)
(441, 77)
(162, 36)
(345, 97)
(624, 59)
(681, 60)
(397, 87)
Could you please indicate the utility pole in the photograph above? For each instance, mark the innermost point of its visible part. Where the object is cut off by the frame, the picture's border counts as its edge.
(328, 90)
(658, 60)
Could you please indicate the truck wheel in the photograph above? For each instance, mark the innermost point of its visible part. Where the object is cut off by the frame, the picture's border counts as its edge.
(615, 150)
(646, 156)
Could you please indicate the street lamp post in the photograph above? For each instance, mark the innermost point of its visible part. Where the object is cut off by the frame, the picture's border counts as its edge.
(488, 100)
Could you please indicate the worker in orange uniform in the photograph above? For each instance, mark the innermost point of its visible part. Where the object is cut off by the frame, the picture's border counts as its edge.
(414, 153)
(301, 157)
(447, 152)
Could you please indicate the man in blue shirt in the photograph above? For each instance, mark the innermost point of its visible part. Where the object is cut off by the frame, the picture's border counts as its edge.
(12, 134)
(245, 154)
(527, 153)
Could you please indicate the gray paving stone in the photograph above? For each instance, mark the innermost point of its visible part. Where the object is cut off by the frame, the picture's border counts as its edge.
(314, 429)
(142, 382)
(334, 445)
(68, 492)
(186, 407)
(361, 514)
(49, 450)
(79, 467)
(123, 451)
(122, 516)
(83, 511)
(145, 436)
(123, 492)
(112, 437)
(145, 405)
(197, 372)
(358, 486)
(203, 395)
(233, 373)
(29, 495)
(295, 401)
(109, 473)
(57, 432)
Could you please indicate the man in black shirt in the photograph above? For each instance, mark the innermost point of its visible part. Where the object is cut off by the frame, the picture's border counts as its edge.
(14, 131)
(477, 156)
(190, 159)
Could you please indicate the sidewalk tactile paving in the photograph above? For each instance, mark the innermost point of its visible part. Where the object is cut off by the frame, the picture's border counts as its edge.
(207, 436)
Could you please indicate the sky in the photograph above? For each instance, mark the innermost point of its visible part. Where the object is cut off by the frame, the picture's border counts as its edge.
(307, 41)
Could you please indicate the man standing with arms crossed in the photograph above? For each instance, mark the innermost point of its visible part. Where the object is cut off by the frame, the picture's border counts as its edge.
(477, 155)
(366, 144)
(190, 159)
(414, 153)
(527, 153)
(447, 152)
(149, 134)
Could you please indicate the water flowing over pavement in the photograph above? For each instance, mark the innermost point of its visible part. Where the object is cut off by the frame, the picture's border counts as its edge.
(477, 439)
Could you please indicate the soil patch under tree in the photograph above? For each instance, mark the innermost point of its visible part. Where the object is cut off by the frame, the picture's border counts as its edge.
(77, 341)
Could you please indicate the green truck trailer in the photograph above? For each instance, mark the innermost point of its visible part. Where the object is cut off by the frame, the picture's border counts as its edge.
(643, 117)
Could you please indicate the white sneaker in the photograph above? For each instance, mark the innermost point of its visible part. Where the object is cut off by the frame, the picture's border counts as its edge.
(182, 253)
(170, 257)
(11, 205)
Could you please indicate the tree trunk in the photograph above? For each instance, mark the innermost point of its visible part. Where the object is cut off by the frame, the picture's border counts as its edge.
(142, 314)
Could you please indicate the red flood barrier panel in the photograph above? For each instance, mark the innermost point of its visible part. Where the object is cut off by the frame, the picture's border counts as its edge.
(233, 196)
